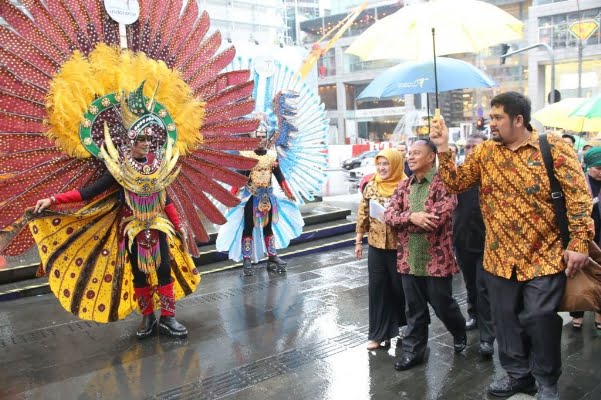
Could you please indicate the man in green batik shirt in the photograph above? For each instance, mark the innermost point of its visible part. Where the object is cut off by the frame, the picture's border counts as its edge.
(421, 211)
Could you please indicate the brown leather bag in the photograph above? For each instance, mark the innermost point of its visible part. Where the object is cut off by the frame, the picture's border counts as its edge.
(583, 290)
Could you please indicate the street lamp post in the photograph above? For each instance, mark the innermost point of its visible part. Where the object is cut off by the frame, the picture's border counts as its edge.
(551, 56)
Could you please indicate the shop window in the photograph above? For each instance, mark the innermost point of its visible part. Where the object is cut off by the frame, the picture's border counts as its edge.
(327, 93)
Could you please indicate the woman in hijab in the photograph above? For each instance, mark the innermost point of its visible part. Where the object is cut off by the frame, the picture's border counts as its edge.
(592, 165)
(386, 297)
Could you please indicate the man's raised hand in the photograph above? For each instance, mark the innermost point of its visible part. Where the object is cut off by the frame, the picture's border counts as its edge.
(439, 134)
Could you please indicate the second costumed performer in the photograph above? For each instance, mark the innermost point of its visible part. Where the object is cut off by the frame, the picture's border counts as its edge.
(293, 132)
(263, 222)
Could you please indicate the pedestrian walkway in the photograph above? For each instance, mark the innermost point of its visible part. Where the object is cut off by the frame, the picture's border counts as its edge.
(301, 335)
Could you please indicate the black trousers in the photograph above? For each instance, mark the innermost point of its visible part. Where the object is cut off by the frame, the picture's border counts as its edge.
(386, 298)
(419, 291)
(478, 305)
(164, 270)
(527, 325)
(249, 221)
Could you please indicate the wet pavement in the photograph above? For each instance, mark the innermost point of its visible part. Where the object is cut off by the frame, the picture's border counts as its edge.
(300, 335)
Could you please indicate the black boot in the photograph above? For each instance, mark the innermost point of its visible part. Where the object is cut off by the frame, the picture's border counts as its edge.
(146, 327)
(169, 326)
(149, 321)
(247, 268)
(275, 263)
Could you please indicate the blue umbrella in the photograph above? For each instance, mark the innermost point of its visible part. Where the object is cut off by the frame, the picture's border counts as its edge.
(418, 77)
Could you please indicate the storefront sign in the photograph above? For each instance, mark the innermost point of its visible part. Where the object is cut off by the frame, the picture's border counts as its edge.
(584, 29)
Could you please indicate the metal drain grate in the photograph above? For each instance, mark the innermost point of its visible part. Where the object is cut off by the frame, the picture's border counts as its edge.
(39, 335)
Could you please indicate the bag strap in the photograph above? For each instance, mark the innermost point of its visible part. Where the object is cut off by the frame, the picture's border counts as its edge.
(559, 201)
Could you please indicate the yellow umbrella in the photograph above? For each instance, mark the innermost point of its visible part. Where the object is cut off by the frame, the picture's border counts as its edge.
(558, 115)
(439, 27)
(461, 26)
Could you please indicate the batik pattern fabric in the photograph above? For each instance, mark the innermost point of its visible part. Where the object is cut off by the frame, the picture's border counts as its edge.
(78, 254)
(380, 235)
(435, 259)
(516, 204)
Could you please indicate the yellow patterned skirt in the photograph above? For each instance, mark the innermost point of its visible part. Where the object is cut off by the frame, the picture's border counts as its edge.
(79, 254)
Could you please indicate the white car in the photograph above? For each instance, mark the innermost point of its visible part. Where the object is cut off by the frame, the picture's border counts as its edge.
(368, 167)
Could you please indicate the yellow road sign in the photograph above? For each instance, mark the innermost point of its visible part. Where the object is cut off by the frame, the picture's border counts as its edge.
(584, 29)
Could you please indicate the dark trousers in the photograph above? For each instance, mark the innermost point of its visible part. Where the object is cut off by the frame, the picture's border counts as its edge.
(386, 298)
(249, 221)
(419, 291)
(527, 325)
(478, 305)
(164, 270)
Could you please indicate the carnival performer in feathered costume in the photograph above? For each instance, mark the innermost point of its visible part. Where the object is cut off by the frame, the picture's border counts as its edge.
(117, 161)
(293, 123)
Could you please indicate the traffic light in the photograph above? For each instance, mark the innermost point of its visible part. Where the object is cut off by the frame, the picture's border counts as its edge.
(504, 50)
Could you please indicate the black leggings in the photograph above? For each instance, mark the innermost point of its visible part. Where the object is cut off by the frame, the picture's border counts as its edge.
(164, 270)
(249, 222)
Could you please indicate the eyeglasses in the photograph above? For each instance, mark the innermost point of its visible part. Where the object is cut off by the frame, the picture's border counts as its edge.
(141, 139)
(470, 146)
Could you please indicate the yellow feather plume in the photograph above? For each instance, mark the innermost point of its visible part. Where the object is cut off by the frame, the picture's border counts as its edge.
(109, 69)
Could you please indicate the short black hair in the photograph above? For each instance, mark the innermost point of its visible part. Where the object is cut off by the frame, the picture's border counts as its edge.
(428, 143)
(514, 104)
(571, 137)
(477, 136)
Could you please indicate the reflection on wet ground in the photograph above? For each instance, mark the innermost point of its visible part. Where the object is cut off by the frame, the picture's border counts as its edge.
(295, 336)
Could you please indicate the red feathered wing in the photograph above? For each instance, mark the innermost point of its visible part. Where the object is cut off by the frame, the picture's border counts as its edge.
(32, 167)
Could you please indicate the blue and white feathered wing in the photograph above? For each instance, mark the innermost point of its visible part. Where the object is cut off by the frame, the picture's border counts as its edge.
(299, 120)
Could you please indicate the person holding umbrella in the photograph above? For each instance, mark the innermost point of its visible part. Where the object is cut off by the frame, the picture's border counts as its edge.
(524, 259)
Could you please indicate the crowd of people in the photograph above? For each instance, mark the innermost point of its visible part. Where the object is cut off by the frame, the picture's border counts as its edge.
(491, 217)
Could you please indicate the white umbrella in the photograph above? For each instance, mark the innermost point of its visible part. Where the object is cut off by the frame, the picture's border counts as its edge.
(439, 27)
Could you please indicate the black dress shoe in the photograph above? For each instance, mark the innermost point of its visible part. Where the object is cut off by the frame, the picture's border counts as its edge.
(486, 349)
(459, 344)
(404, 363)
(471, 324)
(146, 327)
(168, 325)
(508, 386)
